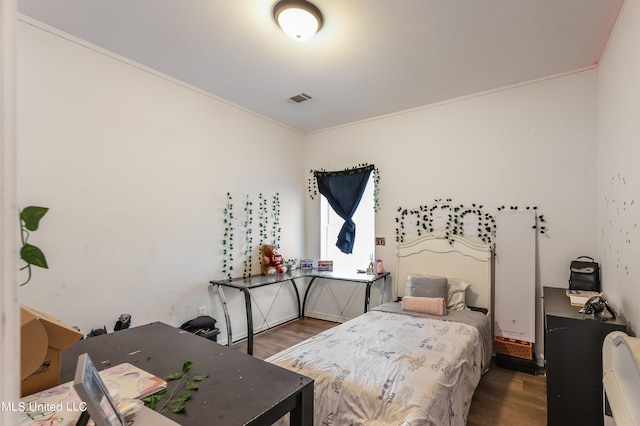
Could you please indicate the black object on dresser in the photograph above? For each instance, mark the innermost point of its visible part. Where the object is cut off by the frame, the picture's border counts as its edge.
(573, 361)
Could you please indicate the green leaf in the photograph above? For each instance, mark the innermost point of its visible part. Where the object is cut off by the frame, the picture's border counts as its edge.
(33, 256)
(184, 397)
(192, 386)
(200, 377)
(174, 376)
(31, 216)
(187, 366)
(176, 408)
(153, 400)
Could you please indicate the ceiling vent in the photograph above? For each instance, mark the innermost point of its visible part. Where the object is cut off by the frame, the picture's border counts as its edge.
(299, 98)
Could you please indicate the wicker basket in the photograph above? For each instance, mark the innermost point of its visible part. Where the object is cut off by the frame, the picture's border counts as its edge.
(514, 347)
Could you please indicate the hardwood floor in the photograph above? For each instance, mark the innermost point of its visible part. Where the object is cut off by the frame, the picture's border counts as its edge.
(503, 397)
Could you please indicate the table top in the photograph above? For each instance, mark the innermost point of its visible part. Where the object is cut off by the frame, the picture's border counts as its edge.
(239, 389)
(262, 280)
(557, 303)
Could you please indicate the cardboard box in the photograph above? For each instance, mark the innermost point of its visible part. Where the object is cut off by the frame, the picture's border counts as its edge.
(42, 337)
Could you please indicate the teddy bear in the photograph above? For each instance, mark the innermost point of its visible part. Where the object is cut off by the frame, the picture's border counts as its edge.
(272, 261)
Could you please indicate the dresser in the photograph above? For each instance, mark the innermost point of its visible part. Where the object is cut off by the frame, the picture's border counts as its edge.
(573, 361)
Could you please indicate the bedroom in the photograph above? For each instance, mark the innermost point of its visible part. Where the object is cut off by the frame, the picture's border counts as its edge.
(135, 169)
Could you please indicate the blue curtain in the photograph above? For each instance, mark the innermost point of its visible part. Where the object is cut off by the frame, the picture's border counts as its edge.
(343, 190)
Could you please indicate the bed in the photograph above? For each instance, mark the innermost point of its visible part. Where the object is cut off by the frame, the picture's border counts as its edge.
(399, 367)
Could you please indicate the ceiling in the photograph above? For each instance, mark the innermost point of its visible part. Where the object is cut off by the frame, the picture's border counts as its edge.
(371, 57)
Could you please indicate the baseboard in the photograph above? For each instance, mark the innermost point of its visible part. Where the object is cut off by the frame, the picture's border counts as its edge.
(326, 317)
(528, 366)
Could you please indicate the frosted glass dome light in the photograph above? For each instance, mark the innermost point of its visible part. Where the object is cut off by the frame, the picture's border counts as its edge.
(299, 19)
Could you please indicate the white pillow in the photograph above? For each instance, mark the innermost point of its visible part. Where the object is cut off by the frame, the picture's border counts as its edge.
(456, 299)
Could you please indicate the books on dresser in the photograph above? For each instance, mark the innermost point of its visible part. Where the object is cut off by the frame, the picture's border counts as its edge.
(580, 297)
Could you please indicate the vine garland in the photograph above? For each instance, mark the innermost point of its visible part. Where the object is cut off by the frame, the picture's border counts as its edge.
(423, 219)
(312, 186)
(275, 229)
(263, 218)
(268, 234)
(248, 237)
(227, 241)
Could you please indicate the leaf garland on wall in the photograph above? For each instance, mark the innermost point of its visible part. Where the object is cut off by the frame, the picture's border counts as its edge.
(269, 231)
(248, 237)
(275, 229)
(312, 187)
(227, 240)
(423, 220)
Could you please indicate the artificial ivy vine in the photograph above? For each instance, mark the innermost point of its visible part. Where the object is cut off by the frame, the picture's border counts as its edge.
(540, 220)
(263, 218)
(313, 184)
(423, 219)
(268, 234)
(248, 237)
(275, 229)
(227, 241)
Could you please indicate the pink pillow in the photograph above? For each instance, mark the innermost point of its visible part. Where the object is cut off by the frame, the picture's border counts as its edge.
(427, 305)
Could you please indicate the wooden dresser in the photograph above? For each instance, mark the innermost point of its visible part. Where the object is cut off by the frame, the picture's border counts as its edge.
(573, 361)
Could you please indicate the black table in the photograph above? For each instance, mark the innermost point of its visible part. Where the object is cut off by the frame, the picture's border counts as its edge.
(246, 284)
(240, 389)
(573, 360)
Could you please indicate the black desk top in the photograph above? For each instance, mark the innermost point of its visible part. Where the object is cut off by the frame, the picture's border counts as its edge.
(240, 389)
(557, 303)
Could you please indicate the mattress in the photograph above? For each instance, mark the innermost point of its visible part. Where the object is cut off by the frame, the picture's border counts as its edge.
(388, 367)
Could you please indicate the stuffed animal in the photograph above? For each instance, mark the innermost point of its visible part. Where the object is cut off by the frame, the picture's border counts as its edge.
(272, 261)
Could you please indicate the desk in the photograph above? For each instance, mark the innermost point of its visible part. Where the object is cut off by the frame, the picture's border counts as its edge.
(240, 389)
(357, 278)
(247, 284)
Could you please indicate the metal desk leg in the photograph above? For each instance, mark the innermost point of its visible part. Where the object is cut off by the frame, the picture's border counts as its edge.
(383, 289)
(295, 287)
(367, 296)
(247, 307)
(306, 293)
(227, 318)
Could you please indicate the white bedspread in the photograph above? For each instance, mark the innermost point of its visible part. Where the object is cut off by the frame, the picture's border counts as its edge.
(385, 368)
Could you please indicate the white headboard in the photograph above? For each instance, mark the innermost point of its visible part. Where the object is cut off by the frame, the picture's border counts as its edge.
(455, 257)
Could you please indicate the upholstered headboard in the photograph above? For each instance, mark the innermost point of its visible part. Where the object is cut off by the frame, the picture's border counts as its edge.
(455, 257)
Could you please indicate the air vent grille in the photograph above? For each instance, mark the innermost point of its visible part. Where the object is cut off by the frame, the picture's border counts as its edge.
(299, 97)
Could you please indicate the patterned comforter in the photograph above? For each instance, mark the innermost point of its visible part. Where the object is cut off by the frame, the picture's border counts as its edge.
(390, 368)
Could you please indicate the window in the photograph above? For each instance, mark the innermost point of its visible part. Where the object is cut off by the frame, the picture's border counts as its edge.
(330, 224)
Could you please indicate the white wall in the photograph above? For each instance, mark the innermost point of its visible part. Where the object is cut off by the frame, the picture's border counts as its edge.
(532, 145)
(619, 166)
(135, 168)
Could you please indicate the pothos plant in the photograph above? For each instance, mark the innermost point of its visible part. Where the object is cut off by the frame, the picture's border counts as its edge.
(32, 255)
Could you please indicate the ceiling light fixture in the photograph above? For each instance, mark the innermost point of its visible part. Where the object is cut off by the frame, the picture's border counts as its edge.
(299, 19)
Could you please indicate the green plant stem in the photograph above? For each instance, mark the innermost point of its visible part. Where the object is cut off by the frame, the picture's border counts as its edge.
(170, 398)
